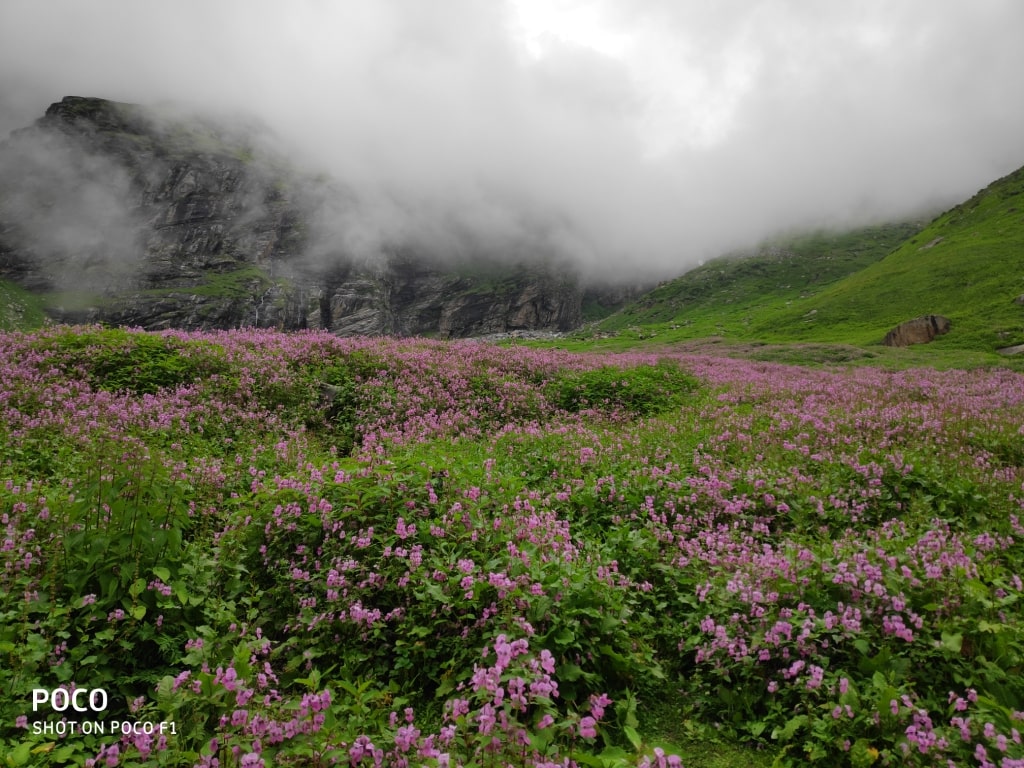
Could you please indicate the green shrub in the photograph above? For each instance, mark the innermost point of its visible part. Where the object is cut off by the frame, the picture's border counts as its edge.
(642, 391)
(141, 363)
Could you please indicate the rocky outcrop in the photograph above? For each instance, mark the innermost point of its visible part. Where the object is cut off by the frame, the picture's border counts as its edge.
(119, 217)
(920, 330)
(122, 216)
(409, 296)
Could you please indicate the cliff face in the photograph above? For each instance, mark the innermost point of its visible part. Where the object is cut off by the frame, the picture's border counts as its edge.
(117, 215)
(410, 296)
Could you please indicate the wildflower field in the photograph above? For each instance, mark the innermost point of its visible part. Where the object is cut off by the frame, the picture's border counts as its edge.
(300, 550)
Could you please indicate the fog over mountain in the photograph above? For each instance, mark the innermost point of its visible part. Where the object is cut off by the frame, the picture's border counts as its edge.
(635, 138)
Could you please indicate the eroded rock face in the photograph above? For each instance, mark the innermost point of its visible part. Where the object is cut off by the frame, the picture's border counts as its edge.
(407, 296)
(123, 217)
(920, 330)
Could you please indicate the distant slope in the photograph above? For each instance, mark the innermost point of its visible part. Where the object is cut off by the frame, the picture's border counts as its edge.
(966, 265)
(730, 295)
(19, 309)
(851, 288)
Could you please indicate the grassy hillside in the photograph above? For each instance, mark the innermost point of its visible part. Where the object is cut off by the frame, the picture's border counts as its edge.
(965, 265)
(725, 295)
(852, 288)
(19, 309)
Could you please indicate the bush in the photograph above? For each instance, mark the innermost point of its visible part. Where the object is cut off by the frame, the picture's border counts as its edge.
(131, 361)
(640, 391)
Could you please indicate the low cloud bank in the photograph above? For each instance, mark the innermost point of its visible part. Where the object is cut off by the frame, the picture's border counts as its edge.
(631, 139)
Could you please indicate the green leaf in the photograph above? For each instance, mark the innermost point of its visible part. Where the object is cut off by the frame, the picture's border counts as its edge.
(570, 672)
(446, 686)
(793, 725)
(20, 754)
(633, 736)
(137, 588)
(539, 740)
(952, 642)
(610, 653)
(564, 636)
(435, 591)
(62, 755)
(162, 573)
(138, 612)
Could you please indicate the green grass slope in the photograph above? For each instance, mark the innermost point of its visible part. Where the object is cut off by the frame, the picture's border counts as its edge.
(839, 293)
(19, 309)
(964, 265)
(726, 296)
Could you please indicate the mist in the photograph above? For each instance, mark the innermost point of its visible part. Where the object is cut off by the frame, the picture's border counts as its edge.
(68, 210)
(631, 139)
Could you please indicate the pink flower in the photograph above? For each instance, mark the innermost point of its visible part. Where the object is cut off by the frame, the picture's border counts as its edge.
(588, 728)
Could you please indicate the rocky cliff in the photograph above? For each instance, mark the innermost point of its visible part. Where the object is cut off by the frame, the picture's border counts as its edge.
(121, 215)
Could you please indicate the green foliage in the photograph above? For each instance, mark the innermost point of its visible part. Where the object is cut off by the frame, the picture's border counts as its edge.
(342, 398)
(793, 567)
(639, 391)
(117, 536)
(119, 360)
(240, 283)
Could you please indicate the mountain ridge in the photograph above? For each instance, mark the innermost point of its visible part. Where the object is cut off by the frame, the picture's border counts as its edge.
(115, 213)
(233, 236)
(963, 264)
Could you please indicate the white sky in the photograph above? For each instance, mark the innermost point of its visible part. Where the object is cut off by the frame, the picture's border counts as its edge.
(631, 134)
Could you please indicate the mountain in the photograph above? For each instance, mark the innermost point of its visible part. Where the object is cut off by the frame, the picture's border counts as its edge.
(853, 287)
(965, 265)
(124, 215)
(727, 294)
(119, 214)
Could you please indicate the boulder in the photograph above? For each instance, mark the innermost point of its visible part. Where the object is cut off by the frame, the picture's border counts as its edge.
(920, 330)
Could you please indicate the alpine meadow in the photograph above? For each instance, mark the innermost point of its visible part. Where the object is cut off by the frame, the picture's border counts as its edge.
(298, 549)
(514, 384)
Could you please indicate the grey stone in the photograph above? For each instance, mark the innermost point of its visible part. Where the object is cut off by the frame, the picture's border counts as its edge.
(920, 330)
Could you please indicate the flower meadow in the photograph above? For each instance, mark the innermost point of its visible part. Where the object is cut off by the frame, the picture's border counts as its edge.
(301, 550)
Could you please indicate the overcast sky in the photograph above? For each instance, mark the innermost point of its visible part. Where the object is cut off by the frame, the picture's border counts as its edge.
(642, 134)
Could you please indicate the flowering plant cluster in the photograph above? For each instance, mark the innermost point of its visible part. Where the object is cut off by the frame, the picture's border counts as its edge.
(305, 550)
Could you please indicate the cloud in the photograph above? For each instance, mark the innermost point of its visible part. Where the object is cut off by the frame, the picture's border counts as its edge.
(634, 138)
(67, 208)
